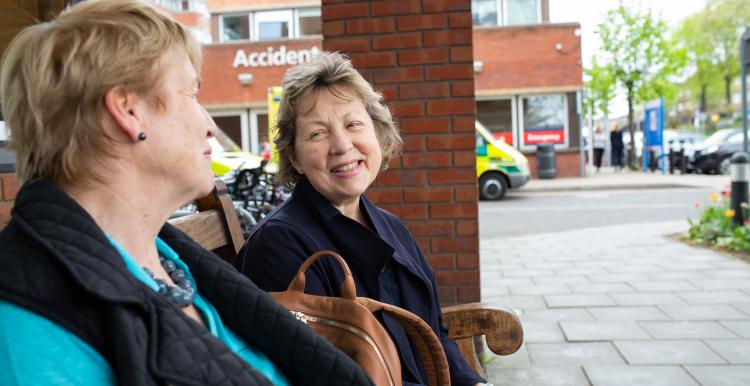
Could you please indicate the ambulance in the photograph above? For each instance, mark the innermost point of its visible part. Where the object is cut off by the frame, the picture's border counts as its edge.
(499, 166)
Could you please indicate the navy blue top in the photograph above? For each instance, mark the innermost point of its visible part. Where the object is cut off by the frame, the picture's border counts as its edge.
(307, 223)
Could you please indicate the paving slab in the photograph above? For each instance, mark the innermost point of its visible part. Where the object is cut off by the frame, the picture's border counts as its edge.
(703, 312)
(668, 352)
(739, 327)
(524, 302)
(662, 285)
(744, 307)
(561, 280)
(628, 313)
(619, 375)
(578, 300)
(721, 375)
(538, 289)
(618, 277)
(729, 272)
(574, 353)
(646, 299)
(537, 376)
(526, 272)
(534, 332)
(556, 314)
(721, 283)
(677, 275)
(600, 288)
(714, 297)
(602, 330)
(735, 351)
(687, 330)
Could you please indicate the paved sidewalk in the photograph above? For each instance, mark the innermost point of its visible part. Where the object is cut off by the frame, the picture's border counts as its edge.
(608, 179)
(634, 308)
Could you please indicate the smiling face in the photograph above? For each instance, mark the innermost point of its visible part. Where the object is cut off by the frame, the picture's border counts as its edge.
(335, 146)
(179, 155)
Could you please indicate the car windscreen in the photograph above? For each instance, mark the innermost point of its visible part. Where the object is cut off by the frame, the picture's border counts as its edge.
(719, 137)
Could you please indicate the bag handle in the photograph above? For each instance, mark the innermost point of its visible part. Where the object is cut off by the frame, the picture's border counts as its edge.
(348, 289)
(430, 350)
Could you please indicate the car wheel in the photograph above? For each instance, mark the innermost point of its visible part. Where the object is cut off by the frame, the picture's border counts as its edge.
(724, 166)
(492, 186)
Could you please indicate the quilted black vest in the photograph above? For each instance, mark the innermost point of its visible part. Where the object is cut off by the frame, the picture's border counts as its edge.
(55, 261)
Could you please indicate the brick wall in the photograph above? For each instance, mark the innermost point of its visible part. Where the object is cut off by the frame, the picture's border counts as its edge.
(568, 163)
(419, 54)
(8, 188)
(532, 60)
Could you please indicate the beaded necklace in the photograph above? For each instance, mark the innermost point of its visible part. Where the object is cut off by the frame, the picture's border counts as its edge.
(182, 293)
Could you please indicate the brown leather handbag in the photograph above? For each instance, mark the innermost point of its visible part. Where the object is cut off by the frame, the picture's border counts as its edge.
(349, 324)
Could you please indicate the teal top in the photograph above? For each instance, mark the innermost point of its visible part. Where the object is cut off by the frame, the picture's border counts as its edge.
(36, 351)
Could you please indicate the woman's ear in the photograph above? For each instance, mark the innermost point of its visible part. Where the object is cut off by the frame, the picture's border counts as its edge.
(125, 109)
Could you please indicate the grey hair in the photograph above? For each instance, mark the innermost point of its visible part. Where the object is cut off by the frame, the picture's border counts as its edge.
(332, 71)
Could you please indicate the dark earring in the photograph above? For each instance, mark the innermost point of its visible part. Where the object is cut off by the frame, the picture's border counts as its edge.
(141, 136)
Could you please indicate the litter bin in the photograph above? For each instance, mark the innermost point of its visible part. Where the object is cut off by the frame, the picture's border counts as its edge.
(545, 161)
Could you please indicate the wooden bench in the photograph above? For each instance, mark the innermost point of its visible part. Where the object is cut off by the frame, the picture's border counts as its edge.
(215, 226)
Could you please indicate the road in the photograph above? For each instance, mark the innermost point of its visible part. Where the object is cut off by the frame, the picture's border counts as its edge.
(527, 213)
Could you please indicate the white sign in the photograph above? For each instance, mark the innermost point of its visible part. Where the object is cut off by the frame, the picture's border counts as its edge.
(269, 57)
(3, 133)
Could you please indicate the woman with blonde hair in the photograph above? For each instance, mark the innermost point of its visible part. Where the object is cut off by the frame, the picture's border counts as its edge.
(95, 288)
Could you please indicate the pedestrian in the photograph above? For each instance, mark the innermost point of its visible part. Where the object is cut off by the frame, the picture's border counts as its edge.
(335, 136)
(617, 147)
(600, 144)
(95, 288)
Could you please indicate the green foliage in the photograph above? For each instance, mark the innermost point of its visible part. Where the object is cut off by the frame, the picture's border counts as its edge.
(715, 227)
(641, 56)
(600, 88)
(711, 39)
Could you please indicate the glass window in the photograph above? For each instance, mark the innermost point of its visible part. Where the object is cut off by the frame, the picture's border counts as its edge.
(308, 22)
(273, 24)
(485, 12)
(497, 117)
(235, 27)
(522, 12)
(544, 119)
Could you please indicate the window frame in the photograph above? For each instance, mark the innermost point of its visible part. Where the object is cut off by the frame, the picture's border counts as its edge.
(298, 12)
(231, 14)
(265, 16)
(502, 15)
(522, 128)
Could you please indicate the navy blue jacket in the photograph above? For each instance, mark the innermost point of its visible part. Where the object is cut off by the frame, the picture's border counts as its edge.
(386, 263)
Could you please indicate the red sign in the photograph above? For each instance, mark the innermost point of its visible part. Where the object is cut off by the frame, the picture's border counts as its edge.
(505, 137)
(545, 136)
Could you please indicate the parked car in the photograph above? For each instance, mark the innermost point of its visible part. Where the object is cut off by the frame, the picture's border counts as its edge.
(713, 157)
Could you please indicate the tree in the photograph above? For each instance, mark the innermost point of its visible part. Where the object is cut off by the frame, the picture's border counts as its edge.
(725, 22)
(693, 37)
(639, 52)
(600, 89)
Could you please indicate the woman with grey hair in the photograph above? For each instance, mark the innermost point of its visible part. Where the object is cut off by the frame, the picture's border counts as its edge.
(335, 136)
(95, 288)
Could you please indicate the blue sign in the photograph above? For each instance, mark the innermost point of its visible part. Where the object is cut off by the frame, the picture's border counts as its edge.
(653, 131)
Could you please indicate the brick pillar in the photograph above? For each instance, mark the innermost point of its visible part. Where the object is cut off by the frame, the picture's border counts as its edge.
(418, 53)
(8, 188)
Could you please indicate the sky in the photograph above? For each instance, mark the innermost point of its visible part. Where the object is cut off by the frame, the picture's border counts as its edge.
(589, 13)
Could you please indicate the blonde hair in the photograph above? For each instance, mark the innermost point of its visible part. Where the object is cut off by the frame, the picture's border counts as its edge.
(334, 72)
(54, 77)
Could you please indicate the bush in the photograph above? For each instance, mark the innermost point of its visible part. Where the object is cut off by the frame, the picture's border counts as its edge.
(715, 227)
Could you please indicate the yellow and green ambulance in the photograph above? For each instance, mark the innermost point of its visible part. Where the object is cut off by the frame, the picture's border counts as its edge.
(499, 166)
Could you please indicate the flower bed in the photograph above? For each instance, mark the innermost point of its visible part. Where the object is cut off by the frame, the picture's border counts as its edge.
(715, 226)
